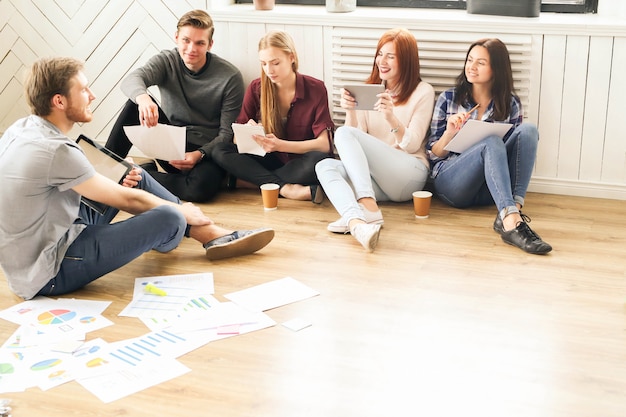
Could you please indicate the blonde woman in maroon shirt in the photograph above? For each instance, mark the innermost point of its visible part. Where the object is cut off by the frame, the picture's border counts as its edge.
(293, 109)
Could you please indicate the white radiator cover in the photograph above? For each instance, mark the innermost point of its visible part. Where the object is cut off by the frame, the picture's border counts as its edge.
(442, 57)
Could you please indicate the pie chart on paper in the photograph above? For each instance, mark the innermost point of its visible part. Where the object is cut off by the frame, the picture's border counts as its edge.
(56, 316)
(6, 368)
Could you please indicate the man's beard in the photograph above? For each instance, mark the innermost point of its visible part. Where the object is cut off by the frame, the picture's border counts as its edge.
(78, 115)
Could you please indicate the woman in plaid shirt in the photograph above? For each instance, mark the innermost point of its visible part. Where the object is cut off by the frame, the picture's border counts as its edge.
(493, 170)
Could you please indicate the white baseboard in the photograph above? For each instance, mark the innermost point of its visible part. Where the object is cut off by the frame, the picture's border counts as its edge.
(577, 188)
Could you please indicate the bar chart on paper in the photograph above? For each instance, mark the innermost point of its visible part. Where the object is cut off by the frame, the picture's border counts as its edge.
(181, 290)
(149, 347)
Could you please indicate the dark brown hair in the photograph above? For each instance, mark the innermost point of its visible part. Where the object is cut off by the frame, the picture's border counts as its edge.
(502, 86)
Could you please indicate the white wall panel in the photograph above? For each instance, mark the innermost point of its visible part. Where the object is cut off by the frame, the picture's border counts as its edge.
(550, 103)
(242, 49)
(614, 157)
(534, 92)
(242, 41)
(573, 107)
(596, 106)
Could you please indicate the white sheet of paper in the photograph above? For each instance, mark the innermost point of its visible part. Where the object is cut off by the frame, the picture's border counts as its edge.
(245, 142)
(272, 294)
(46, 320)
(164, 142)
(473, 131)
(222, 314)
(180, 290)
(194, 308)
(113, 386)
(297, 324)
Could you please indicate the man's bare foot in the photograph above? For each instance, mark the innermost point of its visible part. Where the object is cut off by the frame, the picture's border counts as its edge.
(296, 192)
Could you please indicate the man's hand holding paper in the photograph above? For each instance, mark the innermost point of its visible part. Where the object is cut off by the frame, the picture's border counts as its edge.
(164, 142)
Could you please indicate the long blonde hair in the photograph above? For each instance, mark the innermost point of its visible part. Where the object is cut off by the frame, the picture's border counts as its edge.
(270, 113)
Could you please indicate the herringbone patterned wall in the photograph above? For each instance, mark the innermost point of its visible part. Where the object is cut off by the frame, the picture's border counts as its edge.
(112, 37)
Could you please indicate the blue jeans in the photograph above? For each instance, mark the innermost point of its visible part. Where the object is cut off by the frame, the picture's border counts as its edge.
(492, 171)
(368, 168)
(103, 247)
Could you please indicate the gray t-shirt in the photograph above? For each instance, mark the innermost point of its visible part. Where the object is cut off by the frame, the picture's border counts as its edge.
(38, 167)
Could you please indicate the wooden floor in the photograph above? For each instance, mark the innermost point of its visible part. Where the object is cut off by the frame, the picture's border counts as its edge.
(444, 319)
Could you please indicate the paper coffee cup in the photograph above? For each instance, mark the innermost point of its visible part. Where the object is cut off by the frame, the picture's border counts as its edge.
(269, 193)
(421, 203)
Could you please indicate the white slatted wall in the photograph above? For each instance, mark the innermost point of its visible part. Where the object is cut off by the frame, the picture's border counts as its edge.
(583, 146)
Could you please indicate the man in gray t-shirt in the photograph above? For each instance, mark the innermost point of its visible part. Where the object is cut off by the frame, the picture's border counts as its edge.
(198, 90)
(50, 242)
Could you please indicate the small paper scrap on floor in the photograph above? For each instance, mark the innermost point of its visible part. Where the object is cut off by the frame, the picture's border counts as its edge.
(297, 324)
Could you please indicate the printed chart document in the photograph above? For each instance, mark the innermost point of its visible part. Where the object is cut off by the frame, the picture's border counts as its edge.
(45, 320)
(179, 290)
(245, 142)
(272, 294)
(473, 131)
(113, 386)
(164, 142)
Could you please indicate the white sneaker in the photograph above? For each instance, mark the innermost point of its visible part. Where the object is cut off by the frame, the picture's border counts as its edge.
(341, 225)
(367, 235)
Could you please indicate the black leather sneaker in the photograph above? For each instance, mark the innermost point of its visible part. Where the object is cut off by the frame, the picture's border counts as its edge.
(499, 227)
(524, 238)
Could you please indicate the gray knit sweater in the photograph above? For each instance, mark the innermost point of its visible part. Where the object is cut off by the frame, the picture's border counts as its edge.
(206, 102)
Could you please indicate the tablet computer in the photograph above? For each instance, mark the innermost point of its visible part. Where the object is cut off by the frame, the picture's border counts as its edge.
(365, 94)
(106, 163)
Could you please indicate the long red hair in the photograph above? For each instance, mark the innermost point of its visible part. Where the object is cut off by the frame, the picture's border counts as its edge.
(408, 62)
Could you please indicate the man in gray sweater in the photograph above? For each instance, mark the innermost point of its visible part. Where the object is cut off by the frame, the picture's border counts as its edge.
(199, 90)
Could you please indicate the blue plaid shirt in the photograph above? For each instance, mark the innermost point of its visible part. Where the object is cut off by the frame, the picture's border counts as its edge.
(446, 107)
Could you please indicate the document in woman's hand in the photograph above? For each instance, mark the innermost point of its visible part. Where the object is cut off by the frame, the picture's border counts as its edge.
(244, 140)
(473, 131)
